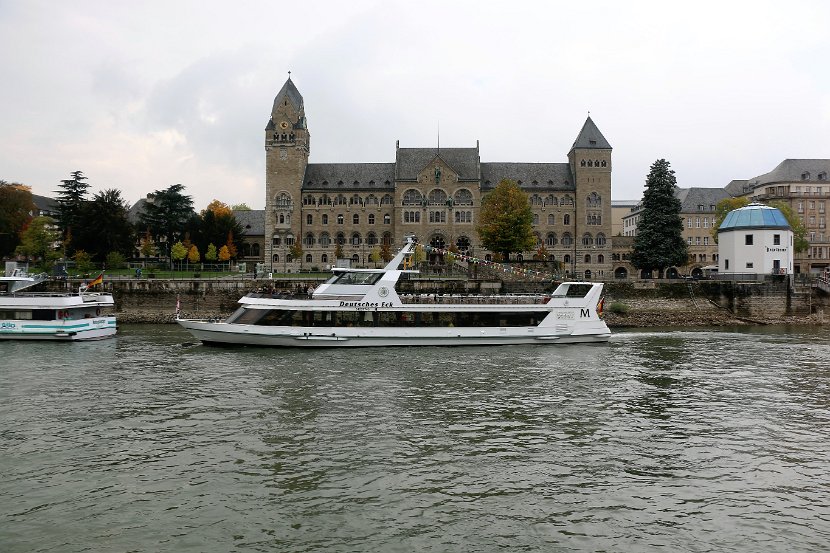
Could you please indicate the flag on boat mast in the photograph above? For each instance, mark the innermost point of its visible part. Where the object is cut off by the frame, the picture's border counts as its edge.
(96, 281)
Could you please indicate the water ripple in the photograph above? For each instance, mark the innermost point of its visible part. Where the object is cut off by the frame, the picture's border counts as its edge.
(679, 441)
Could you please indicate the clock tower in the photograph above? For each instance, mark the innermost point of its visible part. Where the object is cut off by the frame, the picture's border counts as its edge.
(287, 146)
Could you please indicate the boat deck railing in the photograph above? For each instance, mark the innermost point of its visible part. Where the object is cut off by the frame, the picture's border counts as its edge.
(467, 299)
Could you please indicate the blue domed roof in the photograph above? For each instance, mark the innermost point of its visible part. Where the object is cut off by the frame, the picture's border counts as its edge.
(758, 216)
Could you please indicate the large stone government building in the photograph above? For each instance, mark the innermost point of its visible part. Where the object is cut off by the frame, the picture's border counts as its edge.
(434, 193)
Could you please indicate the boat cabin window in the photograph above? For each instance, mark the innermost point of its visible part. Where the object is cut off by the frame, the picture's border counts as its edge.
(284, 317)
(572, 290)
(355, 278)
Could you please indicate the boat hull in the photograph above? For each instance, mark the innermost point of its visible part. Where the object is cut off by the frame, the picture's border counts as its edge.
(59, 330)
(329, 337)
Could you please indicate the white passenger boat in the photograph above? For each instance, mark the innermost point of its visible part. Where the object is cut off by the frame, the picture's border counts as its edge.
(27, 315)
(361, 307)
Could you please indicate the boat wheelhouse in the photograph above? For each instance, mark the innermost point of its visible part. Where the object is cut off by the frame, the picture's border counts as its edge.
(362, 307)
(28, 315)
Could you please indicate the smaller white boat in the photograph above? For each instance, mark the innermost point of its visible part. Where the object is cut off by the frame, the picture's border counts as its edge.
(27, 315)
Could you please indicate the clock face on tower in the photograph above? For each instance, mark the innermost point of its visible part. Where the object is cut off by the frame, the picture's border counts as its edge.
(283, 125)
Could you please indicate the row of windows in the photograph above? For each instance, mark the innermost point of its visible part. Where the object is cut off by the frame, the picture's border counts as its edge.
(593, 163)
(437, 196)
(697, 240)
(694, 222)
(810, 205)
(324, 219)
(551, 200)
(434, 197)
(354, 199)
(567, 240)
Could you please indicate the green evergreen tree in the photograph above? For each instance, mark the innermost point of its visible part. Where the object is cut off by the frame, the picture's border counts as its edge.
(103, 226)
(659, 242)
(166, 214)
(71, 198)
(506, 221)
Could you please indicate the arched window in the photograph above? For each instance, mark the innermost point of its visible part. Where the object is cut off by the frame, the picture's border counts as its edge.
(567, 240)
(587, 258)
(463, 197)
(325, 240)
(387, 238)
(340, 219)
(355, 259)
(567, 200)
(412, 197)
(371, 218)
(355, 219)
(387, 219)
(600, 258)
(371, 199)
(587, 239)
(593, 200)
(308, 240)
(551, 200)
(255, 250)
(437, 197)
(551, 219)
(308, 258)
(550, 240)
(356, 239)
(276, 257)
(566, 219)
(309, 219)
(535, 218)
(536, 200)
(603, 163)
(463, 244)
(371, 239)
(283, 201)
(340, 238)
(341, 200)
(324, 258)
(566, 259)
(582, 163)
(355, 200)
(600, 241)
(325, 200)
(386, 200)
(325, 219)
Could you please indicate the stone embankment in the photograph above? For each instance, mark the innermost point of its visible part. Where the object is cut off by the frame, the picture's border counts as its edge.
(627, 304)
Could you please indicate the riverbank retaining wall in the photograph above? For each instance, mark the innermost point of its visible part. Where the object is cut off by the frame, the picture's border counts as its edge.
(630, 303)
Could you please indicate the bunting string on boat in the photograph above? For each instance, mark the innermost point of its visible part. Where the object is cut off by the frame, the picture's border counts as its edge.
(503, 267)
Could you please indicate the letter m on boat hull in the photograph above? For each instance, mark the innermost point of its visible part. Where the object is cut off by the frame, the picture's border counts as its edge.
(583, 313)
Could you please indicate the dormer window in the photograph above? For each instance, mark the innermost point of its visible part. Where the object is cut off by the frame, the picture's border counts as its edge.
(822, 175)
(805, 175)
(592, 142)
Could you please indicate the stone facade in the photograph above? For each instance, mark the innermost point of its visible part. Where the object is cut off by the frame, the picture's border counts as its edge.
(433, 193)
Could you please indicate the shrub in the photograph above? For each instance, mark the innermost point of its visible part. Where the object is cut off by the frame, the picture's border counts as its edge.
(618, 307)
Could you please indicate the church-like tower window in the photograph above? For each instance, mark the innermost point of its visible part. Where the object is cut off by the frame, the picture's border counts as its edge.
(604, 163)
(590, 163)
(582, 163)
(593, 200)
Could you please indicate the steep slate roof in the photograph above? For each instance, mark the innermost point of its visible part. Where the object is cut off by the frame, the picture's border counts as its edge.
(354, 176)
(738, 187)
(590, 137)
(411, 161)
(691, 198)
(790, 170)
(289, 92)
(252, 221)
(45, 204)
(548, 176)
(135, 210)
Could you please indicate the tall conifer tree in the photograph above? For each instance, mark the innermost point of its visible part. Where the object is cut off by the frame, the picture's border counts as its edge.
(659, 242)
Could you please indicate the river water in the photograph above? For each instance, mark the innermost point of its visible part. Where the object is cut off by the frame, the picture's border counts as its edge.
(670, 440)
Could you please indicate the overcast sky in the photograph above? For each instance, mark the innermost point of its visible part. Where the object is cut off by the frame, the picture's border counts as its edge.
(143, 95)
